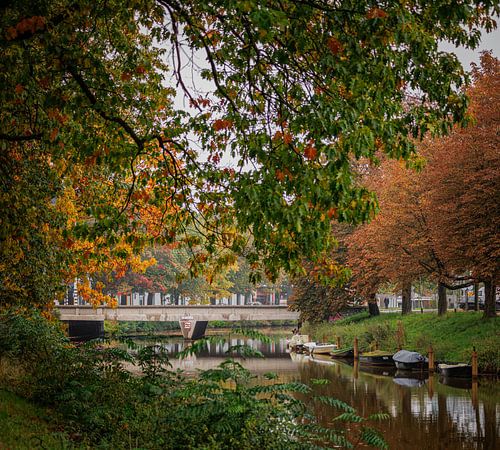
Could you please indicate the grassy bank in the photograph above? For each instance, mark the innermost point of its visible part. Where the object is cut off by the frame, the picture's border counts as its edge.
(452, 336)
(26, 426)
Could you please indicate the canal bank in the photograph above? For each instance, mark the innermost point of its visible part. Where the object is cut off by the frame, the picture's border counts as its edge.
(452, 336)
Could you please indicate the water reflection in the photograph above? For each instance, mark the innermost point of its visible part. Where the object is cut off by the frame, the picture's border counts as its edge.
(426, 413)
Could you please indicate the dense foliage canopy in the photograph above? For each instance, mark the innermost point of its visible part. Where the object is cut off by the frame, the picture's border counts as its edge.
(441, 222)
(121, 124)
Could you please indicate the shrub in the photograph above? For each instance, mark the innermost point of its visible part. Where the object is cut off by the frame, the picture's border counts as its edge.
(221, 409)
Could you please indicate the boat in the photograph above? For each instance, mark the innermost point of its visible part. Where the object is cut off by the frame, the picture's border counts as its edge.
(406, 360)
(319, 348)
(347, 352)
(296, 342)
(377, 358)
(455, 370)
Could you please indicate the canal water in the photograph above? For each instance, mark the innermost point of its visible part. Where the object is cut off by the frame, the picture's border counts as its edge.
(426, 413)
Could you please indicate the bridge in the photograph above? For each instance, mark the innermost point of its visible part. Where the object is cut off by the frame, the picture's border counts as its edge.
(174, 313)
(86, 322)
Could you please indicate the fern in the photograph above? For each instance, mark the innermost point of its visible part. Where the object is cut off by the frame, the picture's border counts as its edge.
(319, 381)
(379, 416)
(373, 437)
(335, 403)
(349, 417)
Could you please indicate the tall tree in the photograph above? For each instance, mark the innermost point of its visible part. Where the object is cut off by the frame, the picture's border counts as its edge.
(464, 183)
(295, 91)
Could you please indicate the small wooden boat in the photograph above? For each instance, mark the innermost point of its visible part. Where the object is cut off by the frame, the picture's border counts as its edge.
(319, 348)
(377, 358)
(347, 352)
(455, 370)
(406, 360)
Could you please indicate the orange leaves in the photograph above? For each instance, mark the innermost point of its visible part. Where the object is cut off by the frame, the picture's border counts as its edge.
(286, 137)
(125, 76)
(310, 152)
(28, 25)
(222, 124)
(333, 212)
(280, 176)
(376, 13)
(334, 45)
(53, 134)
(19, 89)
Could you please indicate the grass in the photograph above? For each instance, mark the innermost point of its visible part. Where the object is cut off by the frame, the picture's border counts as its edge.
(452, 336)
(25, 426)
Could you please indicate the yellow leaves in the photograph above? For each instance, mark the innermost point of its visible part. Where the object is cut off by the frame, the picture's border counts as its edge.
(95, 296)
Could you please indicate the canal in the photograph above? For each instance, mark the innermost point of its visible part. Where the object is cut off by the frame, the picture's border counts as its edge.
(426, 413)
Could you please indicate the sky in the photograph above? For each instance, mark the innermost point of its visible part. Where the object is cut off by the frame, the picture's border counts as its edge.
(489, 41)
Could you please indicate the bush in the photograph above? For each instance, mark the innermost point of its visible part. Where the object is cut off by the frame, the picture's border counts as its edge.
(109, 408)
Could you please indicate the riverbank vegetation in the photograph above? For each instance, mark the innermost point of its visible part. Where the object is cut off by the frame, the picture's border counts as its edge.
(114, 329)
(452, 336)
(105, 406)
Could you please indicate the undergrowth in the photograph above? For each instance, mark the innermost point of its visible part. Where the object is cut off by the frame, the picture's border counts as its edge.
(105, 406)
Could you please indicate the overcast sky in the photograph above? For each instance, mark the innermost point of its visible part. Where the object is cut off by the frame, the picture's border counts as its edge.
(489, 41)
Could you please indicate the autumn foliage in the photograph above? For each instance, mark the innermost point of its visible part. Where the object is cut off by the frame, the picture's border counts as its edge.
(440, 222)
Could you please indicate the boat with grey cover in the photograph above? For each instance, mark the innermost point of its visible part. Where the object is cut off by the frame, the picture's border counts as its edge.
(406, 360)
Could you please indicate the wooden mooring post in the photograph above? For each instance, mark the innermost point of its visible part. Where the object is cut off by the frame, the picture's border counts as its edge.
(474, 363)
(338, 341)
(356, 353)
(431, 359)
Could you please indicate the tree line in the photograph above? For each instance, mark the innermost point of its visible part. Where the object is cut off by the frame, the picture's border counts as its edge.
(438, 221)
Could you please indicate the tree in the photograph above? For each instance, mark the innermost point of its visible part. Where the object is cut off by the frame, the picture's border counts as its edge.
(434, 222)
(296, 92)
(463, 178)
(316, 299)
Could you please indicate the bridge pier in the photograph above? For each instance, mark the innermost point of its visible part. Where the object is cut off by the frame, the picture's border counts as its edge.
(193, 329)
(85, 330)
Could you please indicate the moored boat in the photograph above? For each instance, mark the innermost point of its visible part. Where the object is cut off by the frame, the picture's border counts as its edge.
(319, 348)
(297, 341)
(347, 352)
(406, 360)
(455, 370)
(377, 358)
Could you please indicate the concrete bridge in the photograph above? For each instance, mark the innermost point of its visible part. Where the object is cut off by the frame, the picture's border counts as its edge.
(173, 313)
(86, 322)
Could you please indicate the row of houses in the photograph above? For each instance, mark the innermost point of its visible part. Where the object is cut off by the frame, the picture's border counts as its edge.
(262, 295)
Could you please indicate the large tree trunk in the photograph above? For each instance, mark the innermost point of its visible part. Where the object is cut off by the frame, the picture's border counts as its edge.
(442, 300)
(489, 299)
(372, 305)
(476, 296)
(406, 296)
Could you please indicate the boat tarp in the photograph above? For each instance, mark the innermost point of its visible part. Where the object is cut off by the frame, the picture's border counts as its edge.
(404, 356)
